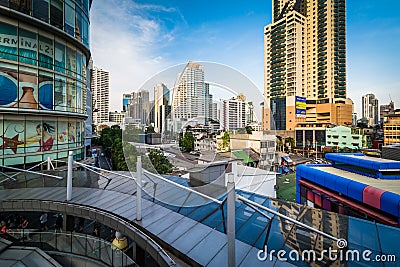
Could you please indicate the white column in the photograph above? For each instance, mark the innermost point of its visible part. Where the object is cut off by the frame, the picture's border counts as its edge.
(69, 176)
(48, 163)
(231, 220)
(139, 174)
(234, 170)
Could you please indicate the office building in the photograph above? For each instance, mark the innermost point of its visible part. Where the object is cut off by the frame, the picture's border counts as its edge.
(190, 97)
(44, 52)
(305, 65)
(386, 110)
(140, 107)
(234, 113)
(126, 98)
(100, 86)
(162, 109)
(370, 109)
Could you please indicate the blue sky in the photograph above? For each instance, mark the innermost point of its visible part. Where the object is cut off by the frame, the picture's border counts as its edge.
(136, 39)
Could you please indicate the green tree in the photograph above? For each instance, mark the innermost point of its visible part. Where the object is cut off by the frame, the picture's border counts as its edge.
(290, 141)
(131, 133)
(108, 137)
(249, 129)
(150, 129)
(226, 138)
(187, 142)
(117, 156)
(160, 162)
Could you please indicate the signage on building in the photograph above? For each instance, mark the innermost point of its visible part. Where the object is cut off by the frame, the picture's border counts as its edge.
(300, 107)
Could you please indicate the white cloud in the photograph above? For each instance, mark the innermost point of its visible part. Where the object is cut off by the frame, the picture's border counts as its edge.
(125, 41)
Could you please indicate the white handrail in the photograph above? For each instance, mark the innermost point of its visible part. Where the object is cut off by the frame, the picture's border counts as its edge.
(37, 165)
(183, 187)
(99, 169)
(33, 172)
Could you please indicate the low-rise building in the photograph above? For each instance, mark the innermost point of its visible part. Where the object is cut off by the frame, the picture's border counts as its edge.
(246, 178)
(391, 152)
(256, 126)
(310, 138)
(342, 136)
(205, 144)
(391, 129)
(263, 144)
(386, 110)
(117, 117)
(354, 185)
(242, 141)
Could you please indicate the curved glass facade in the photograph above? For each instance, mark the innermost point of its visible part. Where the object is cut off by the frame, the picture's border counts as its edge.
(70, 16)
(39, 70)
(43, 80)
(28, 139)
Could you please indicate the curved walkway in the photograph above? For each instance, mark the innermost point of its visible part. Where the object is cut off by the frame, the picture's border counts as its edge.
(88, 203)
(194, 243)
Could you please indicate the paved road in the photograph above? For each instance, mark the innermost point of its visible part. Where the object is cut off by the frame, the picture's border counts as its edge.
(104, 163)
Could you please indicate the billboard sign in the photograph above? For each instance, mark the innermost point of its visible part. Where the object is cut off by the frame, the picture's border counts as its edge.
(300, 107)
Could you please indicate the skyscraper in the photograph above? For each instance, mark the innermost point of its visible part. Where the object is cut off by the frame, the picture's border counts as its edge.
(190, 96)
(161, 107)
(126, 98)
(140, 107)
(370, 109)
(214, 110)
(234, 113)
(100, 86)
(305, 64)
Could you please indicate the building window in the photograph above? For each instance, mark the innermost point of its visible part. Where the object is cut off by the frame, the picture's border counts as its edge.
(41, 9)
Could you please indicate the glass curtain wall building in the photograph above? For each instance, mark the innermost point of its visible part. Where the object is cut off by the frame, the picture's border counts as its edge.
(44, 51)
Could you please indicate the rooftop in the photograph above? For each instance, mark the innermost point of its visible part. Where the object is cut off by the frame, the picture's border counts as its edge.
(370, 166)
(386, 185)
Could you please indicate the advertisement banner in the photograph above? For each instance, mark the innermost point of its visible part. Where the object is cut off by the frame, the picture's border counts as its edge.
(301, 107)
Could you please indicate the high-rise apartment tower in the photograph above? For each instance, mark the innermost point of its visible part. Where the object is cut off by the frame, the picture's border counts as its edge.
(100, 87)
(305, 64)
(370, 107)
(234, 113)
(191, 98)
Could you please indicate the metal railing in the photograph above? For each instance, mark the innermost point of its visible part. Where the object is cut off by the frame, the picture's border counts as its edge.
(73, 243)
(29, 171)
(140, 173)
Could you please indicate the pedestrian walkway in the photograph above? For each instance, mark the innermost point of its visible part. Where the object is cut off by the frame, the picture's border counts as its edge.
(183, 236)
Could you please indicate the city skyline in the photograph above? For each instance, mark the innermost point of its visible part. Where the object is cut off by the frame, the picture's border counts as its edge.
(163, 33)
